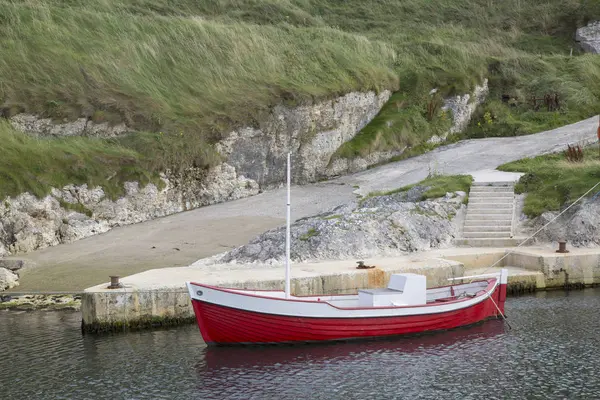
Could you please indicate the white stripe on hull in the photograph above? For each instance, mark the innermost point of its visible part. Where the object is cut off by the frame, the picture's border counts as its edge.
(275, 303)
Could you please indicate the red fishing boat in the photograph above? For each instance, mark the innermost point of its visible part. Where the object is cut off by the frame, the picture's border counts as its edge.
(235, 316)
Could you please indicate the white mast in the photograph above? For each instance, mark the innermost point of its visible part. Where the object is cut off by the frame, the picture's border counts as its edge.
(287, 233)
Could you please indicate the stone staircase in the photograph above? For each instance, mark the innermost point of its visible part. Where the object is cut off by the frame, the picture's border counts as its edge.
(489, 218)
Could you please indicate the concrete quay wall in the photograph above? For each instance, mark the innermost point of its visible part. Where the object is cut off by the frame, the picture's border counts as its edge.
(159, 297)
(145, 303)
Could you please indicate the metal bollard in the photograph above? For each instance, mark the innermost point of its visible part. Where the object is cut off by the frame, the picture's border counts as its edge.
(562, 247)
(114, 282)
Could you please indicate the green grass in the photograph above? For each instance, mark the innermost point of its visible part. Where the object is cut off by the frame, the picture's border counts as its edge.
(551, 182)
(35, 165)
(522, 47)
(195, 69)
(170, 67)
(310, 233)
(437, 186)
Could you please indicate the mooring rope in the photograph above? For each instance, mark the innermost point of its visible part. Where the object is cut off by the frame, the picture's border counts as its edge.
(523, 242)
(498, 308)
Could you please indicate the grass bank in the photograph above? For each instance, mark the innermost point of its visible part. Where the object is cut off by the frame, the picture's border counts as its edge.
(551, 182)
(523, 48)
(35, 165)
(195, 69)
(436, 186)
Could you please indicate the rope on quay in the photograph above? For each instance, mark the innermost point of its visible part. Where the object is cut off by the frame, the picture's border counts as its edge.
(541, 229)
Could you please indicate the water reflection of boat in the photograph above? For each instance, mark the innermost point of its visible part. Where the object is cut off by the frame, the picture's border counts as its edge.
(216, 358)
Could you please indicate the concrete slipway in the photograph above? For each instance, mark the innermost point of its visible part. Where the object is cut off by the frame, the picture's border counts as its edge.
(159, 297)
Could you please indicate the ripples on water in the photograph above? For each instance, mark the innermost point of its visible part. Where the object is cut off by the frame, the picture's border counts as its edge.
(550, 353)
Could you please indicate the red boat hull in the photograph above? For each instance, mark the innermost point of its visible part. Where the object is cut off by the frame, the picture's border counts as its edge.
(221, 325)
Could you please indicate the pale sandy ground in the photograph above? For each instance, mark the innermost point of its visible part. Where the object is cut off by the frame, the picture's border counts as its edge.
(210, 230)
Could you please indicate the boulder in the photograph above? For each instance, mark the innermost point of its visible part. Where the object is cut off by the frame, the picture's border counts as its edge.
(8, 279)
(384, 225)
(589, 37)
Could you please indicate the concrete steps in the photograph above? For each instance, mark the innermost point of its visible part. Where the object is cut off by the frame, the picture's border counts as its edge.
(495, 189)
(503, 184)
(488, 242)
(495, 218)
(489, 214)
(486, 234)
(487, 228)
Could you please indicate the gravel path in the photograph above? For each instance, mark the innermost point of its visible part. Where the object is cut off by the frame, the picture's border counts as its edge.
(183, 238)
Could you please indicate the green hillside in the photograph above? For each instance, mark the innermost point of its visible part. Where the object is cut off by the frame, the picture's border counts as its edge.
(193, 69)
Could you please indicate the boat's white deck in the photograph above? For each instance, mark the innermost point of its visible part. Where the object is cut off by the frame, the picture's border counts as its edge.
(434, 295)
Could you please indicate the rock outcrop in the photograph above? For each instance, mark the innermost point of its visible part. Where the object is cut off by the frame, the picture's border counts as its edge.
(8, 279)
(34, 125)
(384, 225)
(589, 37)
(579, 226)
(75, 212)
(462, 109)
(311, 133)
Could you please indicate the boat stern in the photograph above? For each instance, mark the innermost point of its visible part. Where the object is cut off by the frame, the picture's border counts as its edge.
(502, 289)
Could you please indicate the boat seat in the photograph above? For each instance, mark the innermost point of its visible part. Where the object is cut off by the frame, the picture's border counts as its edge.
(402, 290)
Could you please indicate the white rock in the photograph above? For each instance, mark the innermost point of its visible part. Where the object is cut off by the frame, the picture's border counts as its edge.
(8, 279)
(384, 225)
(37, 126)
(313, 134)
(580, 226)
(463, 107)
(589, 37)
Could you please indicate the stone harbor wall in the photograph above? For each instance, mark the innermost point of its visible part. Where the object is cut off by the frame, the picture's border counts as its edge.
(379, 226)
(589, 37)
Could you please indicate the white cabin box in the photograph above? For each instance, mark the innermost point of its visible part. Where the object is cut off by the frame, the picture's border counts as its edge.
(402, 290)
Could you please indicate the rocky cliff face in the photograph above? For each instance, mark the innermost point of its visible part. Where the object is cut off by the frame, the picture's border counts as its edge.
(255, 159)
(28, 223)
(462, 108)
(383, 225)
(589, 37)
(311, 133)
